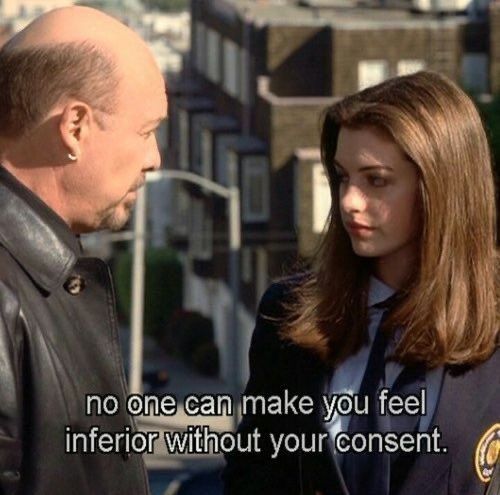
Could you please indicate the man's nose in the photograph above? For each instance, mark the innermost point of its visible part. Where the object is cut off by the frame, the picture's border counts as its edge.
(154, 157)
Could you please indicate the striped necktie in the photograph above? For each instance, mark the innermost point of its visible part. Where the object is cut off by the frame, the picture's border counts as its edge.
(369, 473)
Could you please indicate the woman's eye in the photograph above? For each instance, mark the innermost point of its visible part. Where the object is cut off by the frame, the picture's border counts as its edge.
(377, 181)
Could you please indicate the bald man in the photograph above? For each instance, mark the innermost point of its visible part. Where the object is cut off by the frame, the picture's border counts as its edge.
(80, 100)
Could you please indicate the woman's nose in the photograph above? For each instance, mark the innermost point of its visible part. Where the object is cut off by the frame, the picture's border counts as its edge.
(352, 198)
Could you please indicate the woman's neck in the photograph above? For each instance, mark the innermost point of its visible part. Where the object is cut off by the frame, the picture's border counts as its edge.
(396, 268)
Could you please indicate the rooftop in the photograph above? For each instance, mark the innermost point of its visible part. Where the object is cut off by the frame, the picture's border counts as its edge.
(341, 14)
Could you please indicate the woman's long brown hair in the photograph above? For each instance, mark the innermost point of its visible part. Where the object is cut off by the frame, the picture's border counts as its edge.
(449, 310)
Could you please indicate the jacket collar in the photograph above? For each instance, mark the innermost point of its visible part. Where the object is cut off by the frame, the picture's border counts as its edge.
(35, 235)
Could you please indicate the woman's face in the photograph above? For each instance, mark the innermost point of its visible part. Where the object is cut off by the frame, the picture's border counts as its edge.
(378, 200)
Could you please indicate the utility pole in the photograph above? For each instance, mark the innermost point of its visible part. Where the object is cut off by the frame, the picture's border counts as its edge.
(232, 194)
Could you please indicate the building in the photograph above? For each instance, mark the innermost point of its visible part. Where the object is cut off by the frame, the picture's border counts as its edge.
(28, 9)
(247, 110)
(495, 47)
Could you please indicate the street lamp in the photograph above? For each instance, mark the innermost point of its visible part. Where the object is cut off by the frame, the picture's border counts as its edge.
(232, 194)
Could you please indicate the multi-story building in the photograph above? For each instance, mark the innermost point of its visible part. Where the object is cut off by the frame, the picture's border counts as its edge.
(12, 9)
(495, 46)
(248, 109)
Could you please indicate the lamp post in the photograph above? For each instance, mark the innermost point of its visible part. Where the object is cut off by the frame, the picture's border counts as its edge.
(137, 303)
(232, 194)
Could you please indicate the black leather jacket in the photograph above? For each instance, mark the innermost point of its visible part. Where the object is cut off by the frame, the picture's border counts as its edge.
(58, 342)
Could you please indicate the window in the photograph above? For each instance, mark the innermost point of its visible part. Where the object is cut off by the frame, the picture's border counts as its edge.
(196, 128)
(213, 55)
(200, 235)
(180, 207)
(245, 77)
(475, 72)
(406, 67)
(231, 168)
(222, 144)
(206, 153)
(255, 189)
(246, 265)
(231, 70)
(321, 199)
(200, 47)
(371, 72)
(183, 139)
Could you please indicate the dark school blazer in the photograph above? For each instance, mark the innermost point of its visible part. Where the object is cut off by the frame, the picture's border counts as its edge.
(467, 413)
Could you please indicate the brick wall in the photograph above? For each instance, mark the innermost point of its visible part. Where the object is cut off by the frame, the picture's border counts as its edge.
(298, 60)
(219, 16)
(291, 127)
(438, 46)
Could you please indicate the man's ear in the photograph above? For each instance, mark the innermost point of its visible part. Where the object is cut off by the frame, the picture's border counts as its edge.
(74, 126)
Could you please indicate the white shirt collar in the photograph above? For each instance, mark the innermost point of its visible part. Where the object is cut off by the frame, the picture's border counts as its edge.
(378, 291)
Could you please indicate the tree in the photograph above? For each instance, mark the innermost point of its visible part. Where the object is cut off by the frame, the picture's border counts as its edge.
(491, 116)
(167, 5)
(163, 287)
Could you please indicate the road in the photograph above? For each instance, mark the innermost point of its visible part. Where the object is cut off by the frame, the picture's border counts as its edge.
(180, 474)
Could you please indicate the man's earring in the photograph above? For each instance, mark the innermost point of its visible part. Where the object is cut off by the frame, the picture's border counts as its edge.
(72, 157)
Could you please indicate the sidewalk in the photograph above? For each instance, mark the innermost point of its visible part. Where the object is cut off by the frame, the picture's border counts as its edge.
(182, 381)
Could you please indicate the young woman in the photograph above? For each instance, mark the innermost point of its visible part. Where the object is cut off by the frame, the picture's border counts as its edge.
(402, 295)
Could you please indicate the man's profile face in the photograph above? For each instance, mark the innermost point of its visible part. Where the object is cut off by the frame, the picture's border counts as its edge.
(118, 155)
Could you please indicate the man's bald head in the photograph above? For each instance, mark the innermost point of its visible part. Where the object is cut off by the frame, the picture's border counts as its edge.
(75, 52)
(83, 24)
(81, 98)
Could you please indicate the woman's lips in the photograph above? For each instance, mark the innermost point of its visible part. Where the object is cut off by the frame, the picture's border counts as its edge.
(359, 229)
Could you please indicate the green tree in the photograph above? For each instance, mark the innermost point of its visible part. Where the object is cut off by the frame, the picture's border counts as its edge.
(491, 116)
(163, 288)
(167, 5)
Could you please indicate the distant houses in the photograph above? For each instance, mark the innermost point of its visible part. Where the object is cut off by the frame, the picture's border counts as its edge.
(247, 110)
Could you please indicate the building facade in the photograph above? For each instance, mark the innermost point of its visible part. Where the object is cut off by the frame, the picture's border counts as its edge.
(247, 111)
